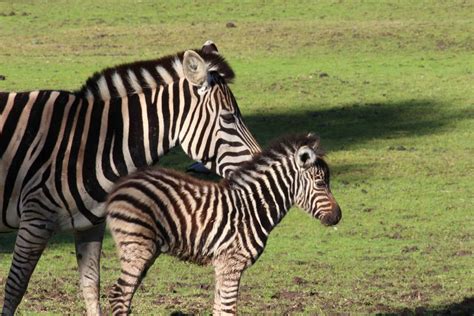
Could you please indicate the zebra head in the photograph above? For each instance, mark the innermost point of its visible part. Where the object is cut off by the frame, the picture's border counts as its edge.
(217, 135)
(313, 193)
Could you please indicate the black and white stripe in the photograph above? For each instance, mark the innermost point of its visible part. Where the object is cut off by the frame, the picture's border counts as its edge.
(61, 152)
(225, 224)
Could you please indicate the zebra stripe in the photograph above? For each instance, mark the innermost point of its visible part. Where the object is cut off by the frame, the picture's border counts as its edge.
(224, 224)
(61, 152)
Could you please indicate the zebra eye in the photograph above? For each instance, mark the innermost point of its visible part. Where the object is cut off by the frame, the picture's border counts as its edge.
(228, 118)
(320, 184)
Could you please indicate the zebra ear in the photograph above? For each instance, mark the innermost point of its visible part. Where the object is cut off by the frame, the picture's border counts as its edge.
(210, 48)
(194, 68)
(315, 143)
(305, 157)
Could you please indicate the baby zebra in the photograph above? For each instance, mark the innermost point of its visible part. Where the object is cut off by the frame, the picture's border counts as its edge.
(225, 224)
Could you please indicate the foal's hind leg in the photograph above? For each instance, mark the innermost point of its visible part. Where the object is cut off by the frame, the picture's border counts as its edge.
(136, 256)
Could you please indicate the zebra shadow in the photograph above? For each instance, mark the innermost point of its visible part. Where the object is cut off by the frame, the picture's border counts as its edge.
(465, 307)
(352, 125)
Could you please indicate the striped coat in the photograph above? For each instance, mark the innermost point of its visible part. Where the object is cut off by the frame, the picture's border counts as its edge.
(61, 152)
(225, 224)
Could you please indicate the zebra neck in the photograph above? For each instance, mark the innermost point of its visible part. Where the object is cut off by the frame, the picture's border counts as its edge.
(265, 198)
(145, 126)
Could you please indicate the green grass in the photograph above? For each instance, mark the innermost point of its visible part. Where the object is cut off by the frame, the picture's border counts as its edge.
(395, 111)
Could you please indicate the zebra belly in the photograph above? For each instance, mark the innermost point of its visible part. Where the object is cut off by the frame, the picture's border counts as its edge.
(63, 221)
(6, 229)
(12, 221)
(81, 222)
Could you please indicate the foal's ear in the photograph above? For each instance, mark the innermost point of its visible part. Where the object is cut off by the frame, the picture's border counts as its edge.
(315, 141)
(195, 68)
(305, 157)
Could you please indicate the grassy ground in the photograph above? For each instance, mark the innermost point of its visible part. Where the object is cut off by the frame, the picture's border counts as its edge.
(388, 86)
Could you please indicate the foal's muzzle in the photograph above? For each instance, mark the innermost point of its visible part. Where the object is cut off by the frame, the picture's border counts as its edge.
(332, 217)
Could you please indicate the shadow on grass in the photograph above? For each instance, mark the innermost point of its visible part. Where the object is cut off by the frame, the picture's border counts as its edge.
(466, 307)
(340, 128)
(7, 241)
(354, 124)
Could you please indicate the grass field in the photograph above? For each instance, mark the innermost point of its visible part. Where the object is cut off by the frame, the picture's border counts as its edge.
(389, 86)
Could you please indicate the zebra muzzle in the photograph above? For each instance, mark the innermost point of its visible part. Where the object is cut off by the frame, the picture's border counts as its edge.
(332, 217)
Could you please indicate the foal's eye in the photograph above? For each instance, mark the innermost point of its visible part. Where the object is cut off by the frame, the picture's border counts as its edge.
(320, 184)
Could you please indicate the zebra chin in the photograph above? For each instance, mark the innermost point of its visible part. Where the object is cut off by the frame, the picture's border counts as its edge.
(331, 217)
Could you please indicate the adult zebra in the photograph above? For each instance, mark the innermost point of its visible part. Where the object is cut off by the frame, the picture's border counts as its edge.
(61, 152)
(224, 224)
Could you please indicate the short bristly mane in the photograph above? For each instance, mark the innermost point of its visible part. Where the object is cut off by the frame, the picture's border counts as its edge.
(280, 147)
(136, 77)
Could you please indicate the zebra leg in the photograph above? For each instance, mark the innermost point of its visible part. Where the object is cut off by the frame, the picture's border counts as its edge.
(136, 257)
(32, 238)
(226, 291)
(88, 249)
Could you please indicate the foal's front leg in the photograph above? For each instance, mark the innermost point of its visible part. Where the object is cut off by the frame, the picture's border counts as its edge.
(137, 255)
(226, 291)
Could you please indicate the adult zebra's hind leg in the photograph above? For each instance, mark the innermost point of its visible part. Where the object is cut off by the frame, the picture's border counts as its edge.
(88, 249)
(136, 257)
(33, 235)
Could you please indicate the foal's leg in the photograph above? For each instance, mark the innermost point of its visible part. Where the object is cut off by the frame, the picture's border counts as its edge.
(33, 235)
(88, 249)
(227, 274)
(136, 256)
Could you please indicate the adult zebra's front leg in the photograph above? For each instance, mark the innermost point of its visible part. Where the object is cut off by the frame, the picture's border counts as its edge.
(88, 250)
(33, 235)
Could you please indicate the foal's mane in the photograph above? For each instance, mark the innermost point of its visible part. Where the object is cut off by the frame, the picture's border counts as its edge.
(279, 147)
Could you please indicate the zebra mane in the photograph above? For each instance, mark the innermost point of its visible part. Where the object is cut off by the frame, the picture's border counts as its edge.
(281, 147)
(136, 77)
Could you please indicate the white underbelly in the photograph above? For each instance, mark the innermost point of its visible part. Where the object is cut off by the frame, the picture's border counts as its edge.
(12, 218)
(78, 220)
(64, 220)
